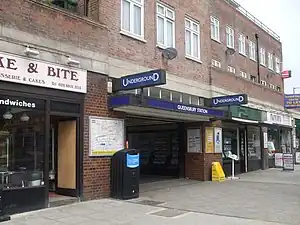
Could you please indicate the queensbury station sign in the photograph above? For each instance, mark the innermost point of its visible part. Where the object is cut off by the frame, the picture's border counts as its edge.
(228, 100)
(140, 80)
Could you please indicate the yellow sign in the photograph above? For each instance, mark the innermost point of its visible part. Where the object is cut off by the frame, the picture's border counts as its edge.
(217, 172)
(209, 140)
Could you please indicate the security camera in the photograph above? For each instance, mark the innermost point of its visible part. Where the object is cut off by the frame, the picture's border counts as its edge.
(73, 61)
(30, 51)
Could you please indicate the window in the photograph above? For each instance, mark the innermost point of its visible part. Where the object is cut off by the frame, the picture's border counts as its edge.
(230, 69)
(215, 63)
(229, 37)
(252, 50)
(155, 92)
(132, 19)
(277, 65)
(242, 44)
(215, 28)
(262, 56)
(243, 74)
(272, 86)
(253, 78)
(175, 96)
(165, 94)
(165, 19)
(270, 61)
(262, 82)
(68, 5)
(186, 99)
(192, 39)
(278, 88)
(194, 100)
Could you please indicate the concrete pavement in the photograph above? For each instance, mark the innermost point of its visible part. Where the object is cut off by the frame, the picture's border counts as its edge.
(269, 197)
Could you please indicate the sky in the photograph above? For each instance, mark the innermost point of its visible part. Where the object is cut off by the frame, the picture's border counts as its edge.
(283, 17)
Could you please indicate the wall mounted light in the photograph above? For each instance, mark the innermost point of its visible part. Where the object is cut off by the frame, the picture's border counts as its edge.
(73, 62)
(7, 115)
(31, 52)
(24, 117)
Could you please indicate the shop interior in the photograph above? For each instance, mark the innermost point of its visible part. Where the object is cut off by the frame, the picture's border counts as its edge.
(159, 142)
(22, 151)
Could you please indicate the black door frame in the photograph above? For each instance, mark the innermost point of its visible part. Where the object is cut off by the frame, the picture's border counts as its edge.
(48, 95)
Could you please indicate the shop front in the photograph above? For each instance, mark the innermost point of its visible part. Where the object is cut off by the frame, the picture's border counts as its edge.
(279, 135)
(41, 106)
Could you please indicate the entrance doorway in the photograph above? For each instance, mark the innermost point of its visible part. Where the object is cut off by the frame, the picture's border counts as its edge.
(63, 156)
(160, 144)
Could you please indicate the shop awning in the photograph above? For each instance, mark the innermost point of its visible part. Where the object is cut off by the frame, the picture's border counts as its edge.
(152, 107)
(244, 120)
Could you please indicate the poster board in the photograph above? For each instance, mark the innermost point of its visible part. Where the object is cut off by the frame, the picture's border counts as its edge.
(297, 156)
(209, 140)
(106, 136)
(278, 160)
(194, 144)
(288, 161)
(218, 140)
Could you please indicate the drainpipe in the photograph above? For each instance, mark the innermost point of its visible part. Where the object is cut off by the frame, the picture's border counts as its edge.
(257, 57)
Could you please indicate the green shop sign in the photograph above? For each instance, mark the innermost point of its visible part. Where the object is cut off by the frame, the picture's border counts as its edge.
(246, 113)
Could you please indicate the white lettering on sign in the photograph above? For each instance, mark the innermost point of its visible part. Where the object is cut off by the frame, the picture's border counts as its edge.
(17, 103)
(32, 72)
(238, 99)
(153, 77)
(191, 109)
(279, 119)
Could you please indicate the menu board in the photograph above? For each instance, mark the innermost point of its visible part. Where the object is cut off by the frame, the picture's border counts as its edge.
(106, 136)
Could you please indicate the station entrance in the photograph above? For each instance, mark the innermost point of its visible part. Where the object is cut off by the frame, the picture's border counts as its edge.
(161, 146)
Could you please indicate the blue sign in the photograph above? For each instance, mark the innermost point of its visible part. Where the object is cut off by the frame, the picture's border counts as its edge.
(132, 161)
(184, 108)
(292, 101)
(230, 100)
(140, 80)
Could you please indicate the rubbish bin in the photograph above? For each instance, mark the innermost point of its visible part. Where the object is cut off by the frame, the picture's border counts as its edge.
(125, 174)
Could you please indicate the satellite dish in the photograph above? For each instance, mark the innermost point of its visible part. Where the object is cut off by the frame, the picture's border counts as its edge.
(230, 51)
(169, 53)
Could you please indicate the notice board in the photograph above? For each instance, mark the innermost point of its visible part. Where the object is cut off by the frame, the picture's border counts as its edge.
(107, 136)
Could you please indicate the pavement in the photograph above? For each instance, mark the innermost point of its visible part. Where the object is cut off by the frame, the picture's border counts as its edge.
(270, 197)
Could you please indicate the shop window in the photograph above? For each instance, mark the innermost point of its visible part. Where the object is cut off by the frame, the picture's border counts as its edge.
(254, 150)
(165, 94)
(176, 96)
(64, 107)
(229, 142)
(286, 141)
(186, 99)
(21, 145)
(155, 92)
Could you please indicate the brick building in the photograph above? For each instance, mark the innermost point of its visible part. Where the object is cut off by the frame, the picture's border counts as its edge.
(110, 39)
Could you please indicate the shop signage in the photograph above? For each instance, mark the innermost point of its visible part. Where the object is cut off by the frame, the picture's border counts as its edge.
(230, 100)
(17, 103)
(183, 108)
(275, 118)
(209, 140)
(288, 161)
(43, 74)
(140, 80)
(292, 101)
(218, 139)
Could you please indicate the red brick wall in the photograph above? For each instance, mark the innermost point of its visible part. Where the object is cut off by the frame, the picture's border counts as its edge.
(48, 22)
(147, 54)
(96, 171)
(227, 15)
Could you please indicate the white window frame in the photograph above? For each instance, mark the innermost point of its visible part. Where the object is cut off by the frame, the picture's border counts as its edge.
(215, 28)
(262, 82)
(277, 65)
(252, 50)
(216, 63)
(262, 56)
(242, 44)
(230, 37)
(270, 61)
(244, 74)
(231, 69)
(130, 32)
(166, 19)
(193, 32)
